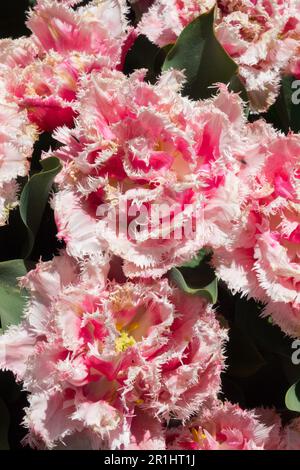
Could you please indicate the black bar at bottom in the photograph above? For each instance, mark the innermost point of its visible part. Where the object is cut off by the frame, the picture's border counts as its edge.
(135, 459)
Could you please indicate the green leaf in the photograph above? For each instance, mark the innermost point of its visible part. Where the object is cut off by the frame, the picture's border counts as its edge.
(210, 292)
(284, 114)
(4, 425)
(12, 297)
(205, 62)
(34, 198)
(292, 397)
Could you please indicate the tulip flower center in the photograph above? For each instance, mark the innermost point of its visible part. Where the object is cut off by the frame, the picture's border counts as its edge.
(124, 341)
(197, 436)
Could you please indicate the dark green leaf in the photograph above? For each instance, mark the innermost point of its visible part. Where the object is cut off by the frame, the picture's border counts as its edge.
(12, 298)
(4, 424)
(284, 114)
(292, 397)
(210, 292)
(34, 198)
(198, 52)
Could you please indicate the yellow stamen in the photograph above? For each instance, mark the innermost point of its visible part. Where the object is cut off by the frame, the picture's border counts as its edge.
(195, 435)
(139, 401)
(123, 342)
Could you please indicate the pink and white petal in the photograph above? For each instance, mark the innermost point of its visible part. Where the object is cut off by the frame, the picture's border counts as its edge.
(48, 418)
(147, 432)
(16, 346)
(75, 226)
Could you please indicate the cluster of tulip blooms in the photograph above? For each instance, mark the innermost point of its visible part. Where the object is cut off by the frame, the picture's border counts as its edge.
(112, 353)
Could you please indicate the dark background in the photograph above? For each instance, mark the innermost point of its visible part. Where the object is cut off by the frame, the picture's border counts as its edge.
(12, 18)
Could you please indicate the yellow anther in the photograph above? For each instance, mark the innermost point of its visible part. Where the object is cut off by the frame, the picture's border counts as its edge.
(123, 342)
(195, 435)
(139, 401)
